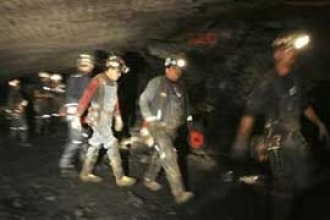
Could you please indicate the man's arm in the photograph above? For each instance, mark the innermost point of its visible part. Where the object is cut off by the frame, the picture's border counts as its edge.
(148, 96)
(311, 115)
(87, 96)
(245, 127)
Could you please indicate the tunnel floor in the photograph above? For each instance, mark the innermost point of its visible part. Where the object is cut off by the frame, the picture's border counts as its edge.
(31, 188)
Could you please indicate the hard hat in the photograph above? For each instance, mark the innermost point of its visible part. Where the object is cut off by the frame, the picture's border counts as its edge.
(56, 77)
(173, 61)
(116, 62)
(44, 75)
(85, 59)
(292, 41)
(14, 82)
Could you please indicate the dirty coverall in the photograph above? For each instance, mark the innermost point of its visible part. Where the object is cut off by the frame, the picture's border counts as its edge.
(282, 109)
(75, 87)
(101, 94)
(169, 102)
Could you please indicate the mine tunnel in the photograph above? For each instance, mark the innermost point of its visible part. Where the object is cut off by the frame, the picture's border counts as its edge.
(208, 144)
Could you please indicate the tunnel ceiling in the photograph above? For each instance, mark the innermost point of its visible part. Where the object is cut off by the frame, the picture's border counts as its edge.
(48, 34)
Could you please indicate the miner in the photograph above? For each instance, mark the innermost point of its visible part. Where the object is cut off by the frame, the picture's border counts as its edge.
(164, 106)
(280, 99)
(16, 106)
(101, 95)
(75, 87)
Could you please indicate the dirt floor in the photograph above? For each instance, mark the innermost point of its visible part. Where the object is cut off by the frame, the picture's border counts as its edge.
(32, 189)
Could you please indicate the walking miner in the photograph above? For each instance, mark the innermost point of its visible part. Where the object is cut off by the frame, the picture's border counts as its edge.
(75, 87)
(101, 94)
(16, 108)
(280, 99)
(164, 107)
(42, 104)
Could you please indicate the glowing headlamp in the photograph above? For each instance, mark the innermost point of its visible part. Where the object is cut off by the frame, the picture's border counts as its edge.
(44, 75)
(169, 61)
(14, 82)
(301, 41)
(56, 77)
(292, 41)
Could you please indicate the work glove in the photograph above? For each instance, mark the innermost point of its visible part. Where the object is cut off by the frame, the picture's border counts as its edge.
(239, 149)
(119, 124)
(324, 136)
(76, 123)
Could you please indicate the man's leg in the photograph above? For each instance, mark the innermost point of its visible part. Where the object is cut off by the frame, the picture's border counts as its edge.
(86, 174)
(116, 164)
(152, 172)
(67, 161)
(168, 160)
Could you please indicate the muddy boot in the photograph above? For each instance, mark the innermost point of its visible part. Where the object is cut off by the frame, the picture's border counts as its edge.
(125, 181)
(88, 165)
(152, 185)
(177, 189)
(115, 163)
(184, 197)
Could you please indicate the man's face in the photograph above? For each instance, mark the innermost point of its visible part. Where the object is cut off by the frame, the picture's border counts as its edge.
(173, 73)
(85, 68)
(285, 56)
(113, 73)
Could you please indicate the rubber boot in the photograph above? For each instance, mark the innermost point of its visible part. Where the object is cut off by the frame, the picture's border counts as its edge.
(115, 163)
(88, 165)
(177, 189)
(152, 185)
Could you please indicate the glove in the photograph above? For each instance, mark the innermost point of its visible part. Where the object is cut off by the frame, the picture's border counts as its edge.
(76, 124)
(239, 149)
(119, 125)
(323, 135)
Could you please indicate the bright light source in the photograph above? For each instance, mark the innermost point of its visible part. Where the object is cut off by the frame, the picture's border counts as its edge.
(13, 83)
(181, 63)
(301, 42)
(56, 77)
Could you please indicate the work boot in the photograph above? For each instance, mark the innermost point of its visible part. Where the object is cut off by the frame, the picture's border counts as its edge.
(88, 165)
(90, 178)
(125, 181)
(183, 197)
(152, 185)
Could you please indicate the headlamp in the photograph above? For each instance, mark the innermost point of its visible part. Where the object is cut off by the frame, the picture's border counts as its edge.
(13, 83)
(117, 63)
(44, 75)
(169, 61)
(85, 59)
(292, 41)
(56, 77)
(301, 41)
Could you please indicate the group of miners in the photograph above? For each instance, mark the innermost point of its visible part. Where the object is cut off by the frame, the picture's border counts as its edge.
(92, 103)
(47, 100)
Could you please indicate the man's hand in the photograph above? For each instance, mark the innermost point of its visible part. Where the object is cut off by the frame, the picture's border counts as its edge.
(76, 123)
(239, 149)
(119, 124)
